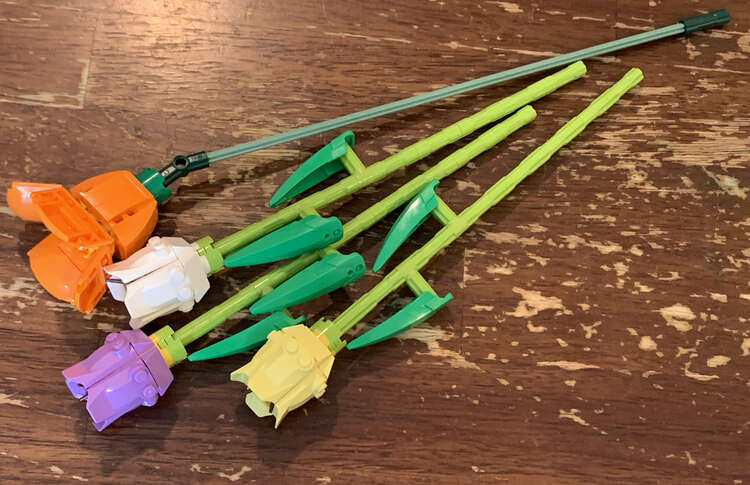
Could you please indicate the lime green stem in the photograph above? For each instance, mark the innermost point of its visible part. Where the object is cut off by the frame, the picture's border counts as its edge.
(254, 291)
(334, 330)
(405, 157)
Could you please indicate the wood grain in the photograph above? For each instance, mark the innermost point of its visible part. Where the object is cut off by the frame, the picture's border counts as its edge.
(599, 331)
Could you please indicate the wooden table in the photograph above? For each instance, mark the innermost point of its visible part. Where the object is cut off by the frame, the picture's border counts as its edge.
(599, 331)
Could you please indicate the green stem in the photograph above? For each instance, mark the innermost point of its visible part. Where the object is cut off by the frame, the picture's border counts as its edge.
(248, 295)
(704, 21)
(335, 330)
(401, 159)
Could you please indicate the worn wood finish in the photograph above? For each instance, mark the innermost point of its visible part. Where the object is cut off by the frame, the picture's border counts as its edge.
(599, 330)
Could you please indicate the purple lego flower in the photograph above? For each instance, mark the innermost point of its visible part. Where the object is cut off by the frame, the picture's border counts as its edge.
(126, 372)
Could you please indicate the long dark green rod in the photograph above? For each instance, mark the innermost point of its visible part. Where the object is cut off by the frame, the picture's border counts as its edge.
(685, 26)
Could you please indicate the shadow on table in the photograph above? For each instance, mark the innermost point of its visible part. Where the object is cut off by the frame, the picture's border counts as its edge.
(138, 433)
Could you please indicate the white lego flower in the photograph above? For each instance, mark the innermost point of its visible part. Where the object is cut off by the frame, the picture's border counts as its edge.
(166, 275)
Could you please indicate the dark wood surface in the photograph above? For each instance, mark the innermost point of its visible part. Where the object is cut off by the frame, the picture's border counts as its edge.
(599, 331)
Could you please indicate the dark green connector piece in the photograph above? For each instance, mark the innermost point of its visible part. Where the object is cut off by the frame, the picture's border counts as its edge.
(413, 216)
(322, 277)
(153, 180)
(248, 339)
(182, 165)
(706, 21)
(324, 163)
(416, 312)
(293, 239)
(157, 181)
